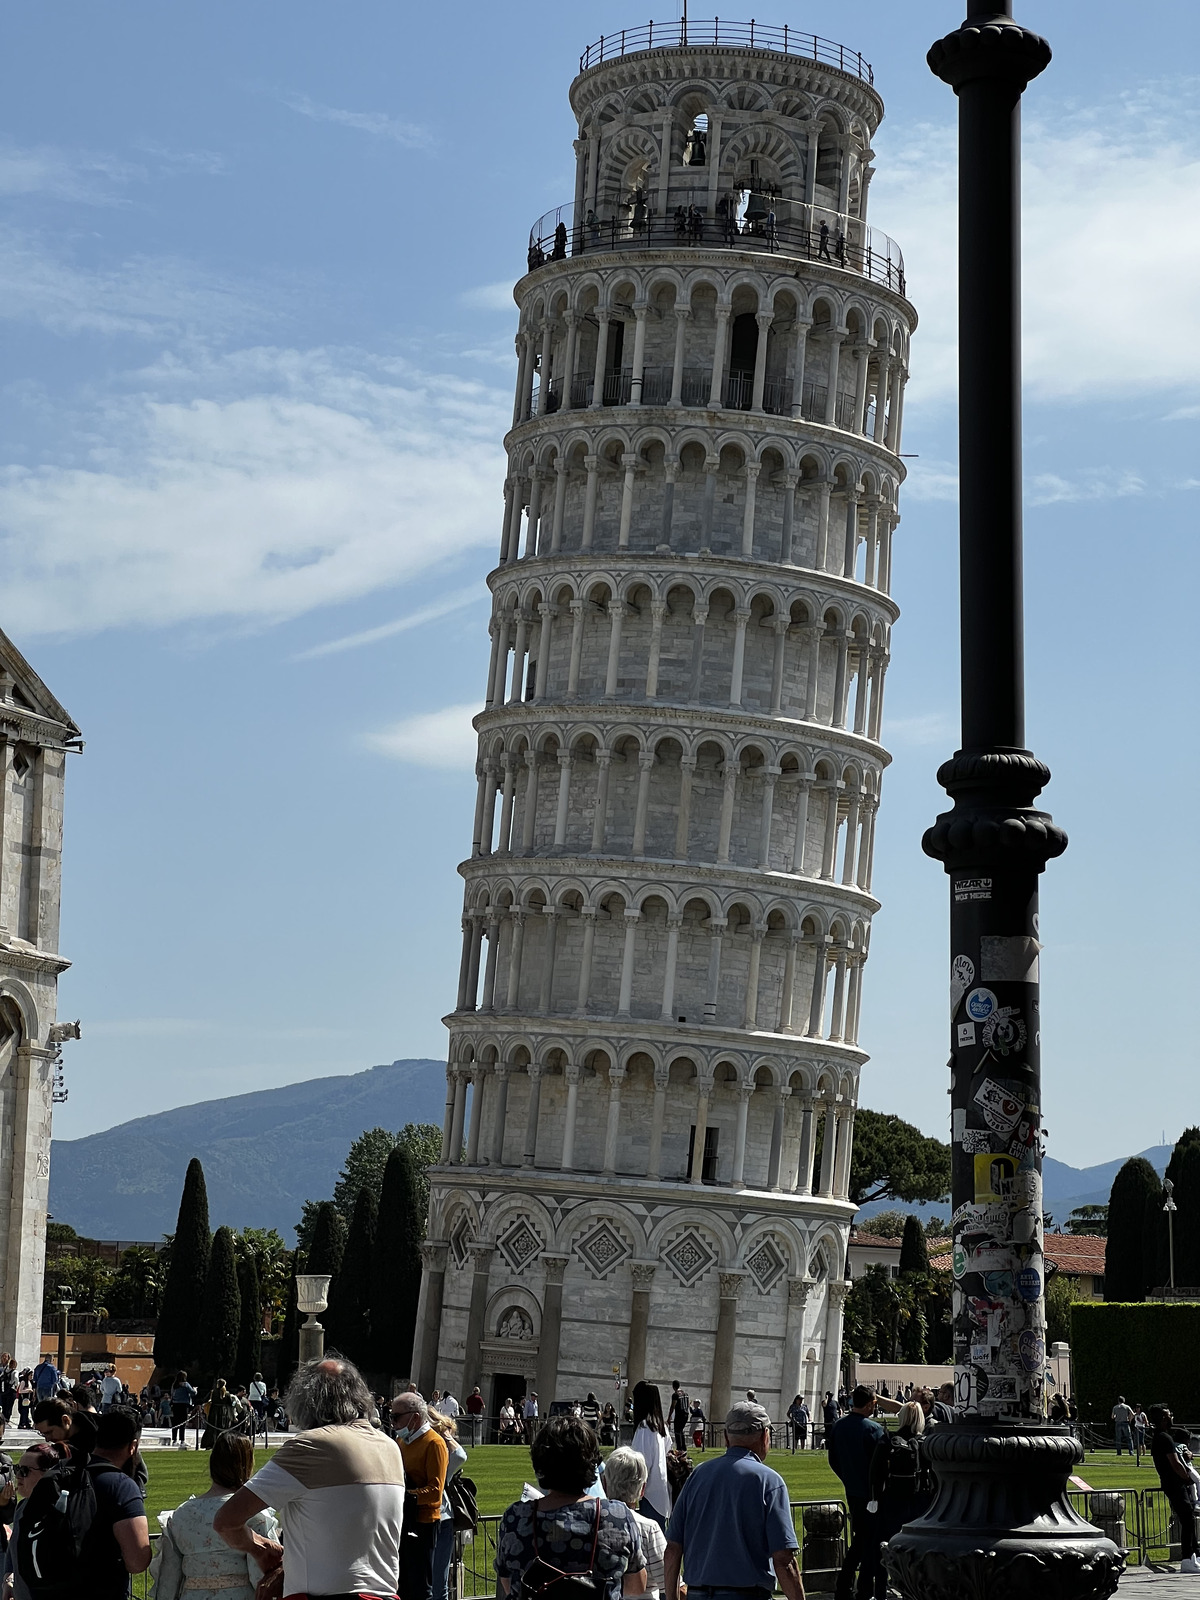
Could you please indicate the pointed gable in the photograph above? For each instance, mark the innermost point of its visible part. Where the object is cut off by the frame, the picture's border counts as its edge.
(22, 691)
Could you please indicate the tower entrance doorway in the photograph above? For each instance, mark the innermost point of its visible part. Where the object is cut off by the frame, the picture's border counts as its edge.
(508, 1386)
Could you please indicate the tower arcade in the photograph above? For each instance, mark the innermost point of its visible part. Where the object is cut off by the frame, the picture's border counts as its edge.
(654, 1054)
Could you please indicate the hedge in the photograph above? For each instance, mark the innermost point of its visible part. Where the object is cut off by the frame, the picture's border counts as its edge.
(1147, 1352)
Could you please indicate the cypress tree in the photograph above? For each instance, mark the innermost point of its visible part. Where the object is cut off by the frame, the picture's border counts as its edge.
(1154, 1241)
(249, 1345)
(1134, 1208)
(328, 1240)
(288, 1356)
(175, 1342)
(1184, 1171)
(914, 1252)
(348, 1320)
(398, 1265)
(221, 1313)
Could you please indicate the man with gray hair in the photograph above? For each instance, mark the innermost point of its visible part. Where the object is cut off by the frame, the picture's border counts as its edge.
(338, 1486)
(731, 1528)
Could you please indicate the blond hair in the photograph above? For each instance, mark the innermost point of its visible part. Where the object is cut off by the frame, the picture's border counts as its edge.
(911, 1416)
(441, 1423)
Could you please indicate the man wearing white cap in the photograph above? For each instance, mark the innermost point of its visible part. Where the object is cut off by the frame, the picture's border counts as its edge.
(731, 1527)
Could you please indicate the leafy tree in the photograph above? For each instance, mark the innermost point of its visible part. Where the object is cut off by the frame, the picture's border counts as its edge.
(914, 1257)
(397, 1263)
(894, 1160)
(308, 1220)
(885, 1224)
(363, 1169)
(348, 1320)
(272, 1266)
(1135, 1187)
(88, 1278)
(59, 1233)
(1155, 1255)
(1183, 1169)
(220, 1317)
(937, 1228)
(1089, 1220)
(137, 1284)
(328, 1240)
(288, 1355)
(249, 1341)
(1062, 1293)
(873, 1312)
(914, 1333)
(183, 1293)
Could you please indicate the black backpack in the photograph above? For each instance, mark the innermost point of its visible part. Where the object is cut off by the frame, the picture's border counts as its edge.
(464, 1503)
(543, 1581)
(54, 1523)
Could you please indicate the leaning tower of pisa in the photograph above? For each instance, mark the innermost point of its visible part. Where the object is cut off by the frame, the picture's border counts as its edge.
(654, 1055)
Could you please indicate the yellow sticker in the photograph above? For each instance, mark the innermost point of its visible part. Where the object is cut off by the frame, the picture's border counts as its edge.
(994, 1176)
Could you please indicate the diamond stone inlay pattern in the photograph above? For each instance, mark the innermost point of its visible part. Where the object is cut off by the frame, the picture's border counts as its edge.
(520, 1244)
(459, 1235)
(602, 1249)
(690, 1256)
(767, 1265)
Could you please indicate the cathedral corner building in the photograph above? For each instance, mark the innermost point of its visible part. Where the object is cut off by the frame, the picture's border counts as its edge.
(36, 735)
(654, 1059)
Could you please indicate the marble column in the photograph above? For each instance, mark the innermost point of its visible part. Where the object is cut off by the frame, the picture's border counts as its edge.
(703, 1090)
(722, 1377)
(828, 1150)
(745, 1094)
(500, 1112)
(793, 1340)
(547, 1362)
(674, 923)
(657, 1119)
(429, 1314)
(804, 1163)
(572, 1075)
(529, 1158)
(642, 1274)
(612, 1130)
(687, 767)
(456, 1126)
(831, 1361)
(478, 1075)
(782, 1096)
(482, 1250)
(625, 994)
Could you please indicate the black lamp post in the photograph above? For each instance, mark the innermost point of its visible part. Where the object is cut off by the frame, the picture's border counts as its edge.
(1000, 1525)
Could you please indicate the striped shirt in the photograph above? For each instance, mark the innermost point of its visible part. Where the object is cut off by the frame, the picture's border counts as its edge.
(339, 1493)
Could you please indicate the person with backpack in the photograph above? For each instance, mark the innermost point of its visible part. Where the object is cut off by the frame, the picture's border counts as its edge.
(677, 1414)
(45, 1378)
(566, 1545)
(901, 1484)
(452, 1501)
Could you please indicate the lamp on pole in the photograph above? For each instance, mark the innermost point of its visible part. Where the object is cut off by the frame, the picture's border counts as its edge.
(1170, 1208)
(312, 1297)
(1000, 1526)
(65, 1302)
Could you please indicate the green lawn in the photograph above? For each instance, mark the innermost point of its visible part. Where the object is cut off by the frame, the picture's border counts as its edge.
(500, 1470)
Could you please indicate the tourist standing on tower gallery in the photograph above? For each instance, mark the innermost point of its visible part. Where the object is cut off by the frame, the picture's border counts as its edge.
(650, 1441)
(731, 1529)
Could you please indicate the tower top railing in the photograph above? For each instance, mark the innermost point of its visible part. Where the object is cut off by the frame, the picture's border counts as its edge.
(752, 35)
(815, 234)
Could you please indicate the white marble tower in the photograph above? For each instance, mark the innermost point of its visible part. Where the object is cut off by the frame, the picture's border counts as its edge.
(36, 734)
(653, 1059)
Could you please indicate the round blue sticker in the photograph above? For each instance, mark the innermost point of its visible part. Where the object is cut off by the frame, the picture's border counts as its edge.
(1029, 1283)
(980, 1004)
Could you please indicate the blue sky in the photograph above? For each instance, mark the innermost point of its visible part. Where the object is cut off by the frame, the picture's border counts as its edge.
(257, 361)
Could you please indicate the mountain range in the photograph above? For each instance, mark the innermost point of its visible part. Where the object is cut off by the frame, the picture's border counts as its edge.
(265, 1153)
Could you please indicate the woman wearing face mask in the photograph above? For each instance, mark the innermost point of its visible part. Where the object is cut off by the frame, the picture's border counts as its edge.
(35, 1462)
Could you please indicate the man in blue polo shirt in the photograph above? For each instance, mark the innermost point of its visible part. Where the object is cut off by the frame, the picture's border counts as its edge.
(731, 1528)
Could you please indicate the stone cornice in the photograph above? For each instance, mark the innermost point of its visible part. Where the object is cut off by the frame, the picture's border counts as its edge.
(610, 868)
(586, 1186)
(22, 957)
(702, 719)
(802, 580)
(28, 727)
(580, 1031)
(723, 420)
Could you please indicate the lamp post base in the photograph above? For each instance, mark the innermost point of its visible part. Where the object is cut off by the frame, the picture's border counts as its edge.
(1001, 1526)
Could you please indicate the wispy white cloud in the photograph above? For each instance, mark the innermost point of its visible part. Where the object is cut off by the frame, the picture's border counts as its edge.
(1100, 483)
(377, 123)
(252, 488)
(86, 176)
(388, 630)
(1094, 257)
(923, 729)
(931, 480)
(490, 297)
(444, 739)
(148, 297)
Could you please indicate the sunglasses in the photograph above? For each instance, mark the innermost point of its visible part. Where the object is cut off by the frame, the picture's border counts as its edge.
(399, 1416)
(20, 1471)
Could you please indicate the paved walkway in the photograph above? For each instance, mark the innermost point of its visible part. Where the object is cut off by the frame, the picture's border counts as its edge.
(1159, 1585)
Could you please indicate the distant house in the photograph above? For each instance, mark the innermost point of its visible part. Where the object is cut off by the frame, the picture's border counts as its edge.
(1079, 1256)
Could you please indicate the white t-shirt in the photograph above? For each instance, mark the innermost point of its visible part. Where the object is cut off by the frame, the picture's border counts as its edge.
(110, 1387)
(258, 1391)
(339, 1493)
(654, 1544)
(653, 1448)
(449, 1406)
